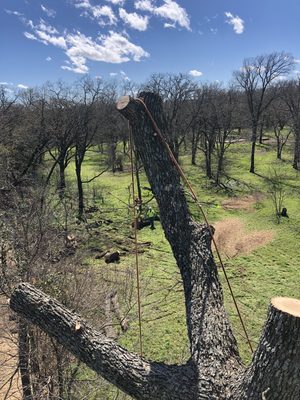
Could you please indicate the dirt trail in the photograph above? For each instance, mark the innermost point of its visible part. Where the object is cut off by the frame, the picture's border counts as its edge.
(9, 388)
(232, 238)
(242, 203)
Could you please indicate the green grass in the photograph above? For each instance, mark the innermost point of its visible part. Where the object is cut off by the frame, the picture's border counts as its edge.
(271, 270)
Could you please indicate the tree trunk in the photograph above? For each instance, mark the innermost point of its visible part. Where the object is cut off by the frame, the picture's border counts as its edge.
(261, 132)
(80, 190)
(214, 371)
(24, 360)
(279, 147)
(208, 163)
(296, 162)
(254, 137)
(252, 161)
(195, 140)
(275, 369)
(62, 179)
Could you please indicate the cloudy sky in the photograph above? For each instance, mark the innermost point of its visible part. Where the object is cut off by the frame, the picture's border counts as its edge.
(130, 39)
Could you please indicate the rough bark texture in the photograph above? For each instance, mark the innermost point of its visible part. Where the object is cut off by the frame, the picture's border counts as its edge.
(213, 347)
(215, 371)
(275, 369)
(132, 374)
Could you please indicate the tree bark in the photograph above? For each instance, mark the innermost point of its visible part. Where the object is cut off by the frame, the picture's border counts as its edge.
(62, 179)
(24, 360)
(296, 161)
(131, 373)
(252, 159)
(195, 140)
(79, 190)
(275, 368)
(215, 370)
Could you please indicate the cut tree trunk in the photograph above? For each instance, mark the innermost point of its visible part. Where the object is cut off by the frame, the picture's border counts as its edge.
(215, 370)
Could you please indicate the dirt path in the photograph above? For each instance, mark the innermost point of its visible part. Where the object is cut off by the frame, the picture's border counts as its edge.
(232, 238)
(246, 203)
(9, 388)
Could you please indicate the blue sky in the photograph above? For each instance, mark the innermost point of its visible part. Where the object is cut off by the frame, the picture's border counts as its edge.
(130, 39)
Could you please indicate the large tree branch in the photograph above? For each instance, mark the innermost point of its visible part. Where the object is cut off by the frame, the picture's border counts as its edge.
(211, 338)
(131, 373)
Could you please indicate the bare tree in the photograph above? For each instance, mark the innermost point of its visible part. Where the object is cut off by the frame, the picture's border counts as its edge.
(280, 121)
(291, 97)
(255, 78)
(177, 92)
(214, 370)
(94, 112)
(62, 130)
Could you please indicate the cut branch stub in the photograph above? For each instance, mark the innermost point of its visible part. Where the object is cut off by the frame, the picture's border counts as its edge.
(275, 369)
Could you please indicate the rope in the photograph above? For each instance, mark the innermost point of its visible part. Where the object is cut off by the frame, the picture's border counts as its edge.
(136, 242)
(186, 181)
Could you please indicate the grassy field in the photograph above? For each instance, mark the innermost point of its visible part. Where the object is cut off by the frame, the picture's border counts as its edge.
(256, 277)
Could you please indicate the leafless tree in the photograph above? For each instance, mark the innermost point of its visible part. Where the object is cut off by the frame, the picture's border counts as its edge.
(280, 121)
(291, 97)
(255, 78)
(177, 92)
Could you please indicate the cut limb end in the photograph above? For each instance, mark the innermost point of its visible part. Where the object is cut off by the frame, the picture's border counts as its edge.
(287, 305)
(123, 102)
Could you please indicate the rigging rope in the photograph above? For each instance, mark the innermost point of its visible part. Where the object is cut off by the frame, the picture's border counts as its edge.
(135, 241)
(194, 196)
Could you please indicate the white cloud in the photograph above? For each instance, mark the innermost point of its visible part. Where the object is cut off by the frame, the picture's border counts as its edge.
(124, 76)
(167, 25)
(144, 5)
(16, 13)
(4, 83)
(214, 30)
(21, 86)
(195, 72)
(58, 41)
(172, 11)
(169, 10)
(297, 61)
(48, 59)
(236, 22)
(104, 15)
(30, 36)
(46, 28)
(82, 4)
(113, 74)
(112, 48)
(119, 2)
(104, 11)
(6, 89)
(134, 20)
(46, 34)
(48, 11)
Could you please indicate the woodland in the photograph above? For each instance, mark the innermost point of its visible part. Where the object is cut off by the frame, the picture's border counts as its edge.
(97, 305)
